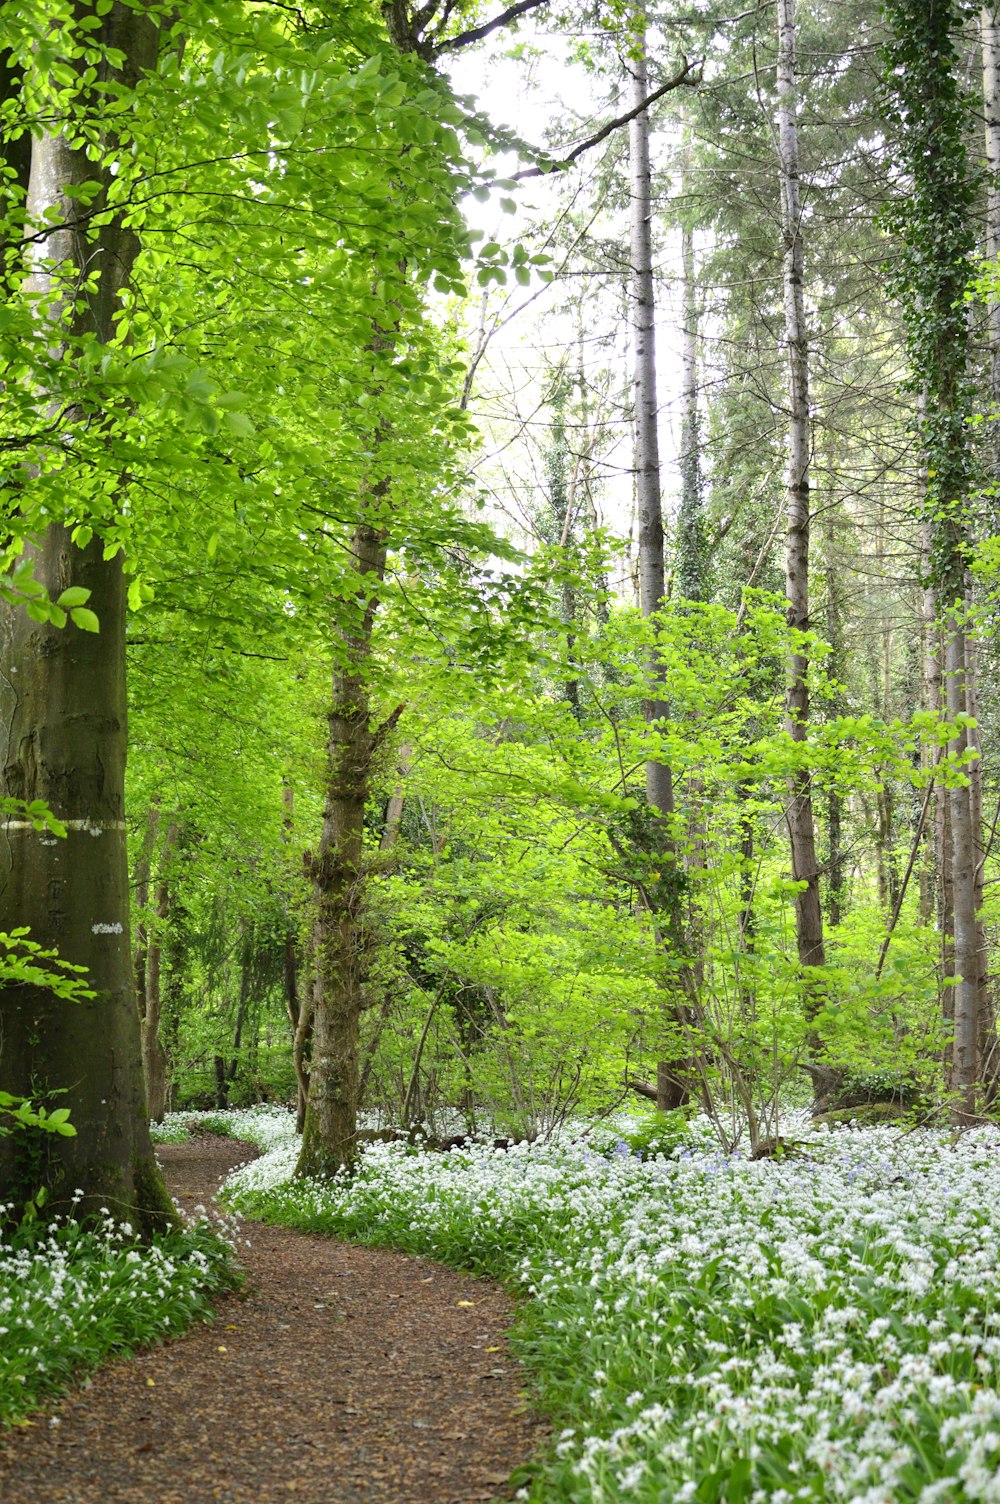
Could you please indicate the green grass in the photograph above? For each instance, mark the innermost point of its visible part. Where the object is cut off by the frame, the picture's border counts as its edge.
(71, 1296)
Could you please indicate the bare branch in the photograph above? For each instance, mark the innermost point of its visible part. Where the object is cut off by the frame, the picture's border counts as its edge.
(683, 77)
(476, 34)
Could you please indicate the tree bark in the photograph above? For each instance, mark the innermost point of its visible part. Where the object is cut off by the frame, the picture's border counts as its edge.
(330, 1127)
(63, 740)
(963, 875)
(672, 1086)
(691, 547)
(154, 1056)
(140, 889)
(801, 827)
(394, 806)
(989, 27)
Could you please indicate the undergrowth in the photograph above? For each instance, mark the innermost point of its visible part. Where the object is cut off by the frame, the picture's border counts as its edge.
(72, 1295)
(707, 1329)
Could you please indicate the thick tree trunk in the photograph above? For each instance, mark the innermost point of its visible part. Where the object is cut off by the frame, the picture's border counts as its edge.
(62, 740)
(927, 51)
(801, 827)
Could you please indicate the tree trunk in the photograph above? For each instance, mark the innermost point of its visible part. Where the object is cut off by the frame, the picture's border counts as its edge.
(290, 974)
(63, 740)
(154, 1056)
(394, 807)
(963, 876)
(140, 890)
(329, 1131)
(671, 1075)
(691, 546)
(989, 25)
(801, 828)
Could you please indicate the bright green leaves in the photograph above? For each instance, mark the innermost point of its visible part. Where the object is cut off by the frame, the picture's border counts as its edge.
(35, 811)
(25, 962)
(494, 261)
(20, 588)
(19, 1112)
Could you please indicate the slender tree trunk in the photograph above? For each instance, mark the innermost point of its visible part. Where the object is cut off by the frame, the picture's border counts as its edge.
(672, 1090)
(394, 807)
(747, 916)
(329, 1131)
(835, 894)
(805, 867)
(140, 889)
(154, 1056)
(964, 861)
(989, 25)
(63, 740)
(290, 971)
(659, 778)
(692, 563)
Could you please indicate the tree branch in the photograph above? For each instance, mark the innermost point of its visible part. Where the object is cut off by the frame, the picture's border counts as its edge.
(476, 34)
(684, 76)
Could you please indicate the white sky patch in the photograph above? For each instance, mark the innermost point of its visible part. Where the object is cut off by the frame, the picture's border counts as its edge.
(529, 94)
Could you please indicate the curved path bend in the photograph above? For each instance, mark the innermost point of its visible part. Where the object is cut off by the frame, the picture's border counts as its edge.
(343, 1375)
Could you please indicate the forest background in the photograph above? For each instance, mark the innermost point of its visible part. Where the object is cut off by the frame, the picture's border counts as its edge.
(453, 795)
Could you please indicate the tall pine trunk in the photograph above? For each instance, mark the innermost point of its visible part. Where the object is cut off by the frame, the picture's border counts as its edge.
(671, 1085)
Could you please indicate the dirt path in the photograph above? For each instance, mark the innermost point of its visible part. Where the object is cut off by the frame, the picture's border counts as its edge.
(345, 1376)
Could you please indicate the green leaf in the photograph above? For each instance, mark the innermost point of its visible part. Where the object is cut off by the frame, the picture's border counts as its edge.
(85, 619)
(76, 595)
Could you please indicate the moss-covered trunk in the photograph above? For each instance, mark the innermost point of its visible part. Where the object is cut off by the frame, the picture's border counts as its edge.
(330, 1127)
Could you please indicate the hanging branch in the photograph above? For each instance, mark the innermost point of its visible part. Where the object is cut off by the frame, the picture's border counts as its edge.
(683, 77)
(909, 871)
(477, 33)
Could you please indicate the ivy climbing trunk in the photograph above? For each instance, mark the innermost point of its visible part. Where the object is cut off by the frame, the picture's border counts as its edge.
(63, 728)
(801, 825)
(934, 223)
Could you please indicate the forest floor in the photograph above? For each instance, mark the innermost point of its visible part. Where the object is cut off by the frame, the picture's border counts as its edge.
(342, 1375)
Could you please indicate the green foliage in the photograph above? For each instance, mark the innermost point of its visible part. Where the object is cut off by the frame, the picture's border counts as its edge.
(933, 219)
(709, 1329)
(24, 962)
(658, 1133)
(72, 1297)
